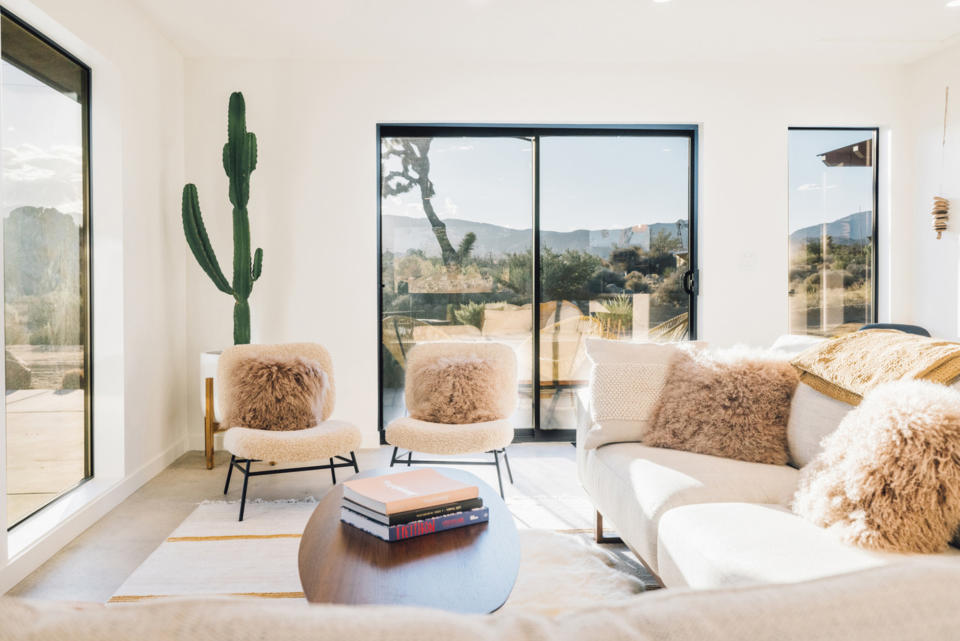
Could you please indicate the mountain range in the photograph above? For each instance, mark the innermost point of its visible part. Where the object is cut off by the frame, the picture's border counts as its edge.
(403, 233)
(855, 229)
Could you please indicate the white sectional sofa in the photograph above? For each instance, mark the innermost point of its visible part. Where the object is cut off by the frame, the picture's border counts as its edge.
(706, 522)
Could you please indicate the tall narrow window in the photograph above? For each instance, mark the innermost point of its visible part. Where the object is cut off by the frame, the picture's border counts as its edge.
(43, 109)
(537, 238)
(832, 223)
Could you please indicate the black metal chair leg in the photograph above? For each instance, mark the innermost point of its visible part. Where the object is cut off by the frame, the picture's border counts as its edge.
(409, 458)
(507, 461)
(496, 458)
(333, 472)
(243, 495)
(353, 457)
(226, 486)
(393, 457)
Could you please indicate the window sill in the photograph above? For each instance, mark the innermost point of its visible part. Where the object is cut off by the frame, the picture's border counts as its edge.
(44, 524)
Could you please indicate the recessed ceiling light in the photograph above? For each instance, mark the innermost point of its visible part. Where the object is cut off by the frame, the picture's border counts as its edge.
(953, 3)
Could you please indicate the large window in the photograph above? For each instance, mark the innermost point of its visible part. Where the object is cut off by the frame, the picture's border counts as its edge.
(44, 102)
(537, 238)
(832, 223)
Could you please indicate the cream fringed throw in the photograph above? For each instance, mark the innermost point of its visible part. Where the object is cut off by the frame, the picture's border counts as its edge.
(847, 367)
(889, 477)
(732, 404)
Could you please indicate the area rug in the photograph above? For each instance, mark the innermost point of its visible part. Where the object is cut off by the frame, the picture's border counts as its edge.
(212, 554)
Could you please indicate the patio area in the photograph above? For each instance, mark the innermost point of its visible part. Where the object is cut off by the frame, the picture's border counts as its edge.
(45, 448)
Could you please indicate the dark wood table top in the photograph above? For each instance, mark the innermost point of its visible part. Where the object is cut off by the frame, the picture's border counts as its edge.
(469, 569)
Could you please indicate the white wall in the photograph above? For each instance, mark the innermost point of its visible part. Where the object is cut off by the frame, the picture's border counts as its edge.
(139, 257)
(934, 264)
(313, 202)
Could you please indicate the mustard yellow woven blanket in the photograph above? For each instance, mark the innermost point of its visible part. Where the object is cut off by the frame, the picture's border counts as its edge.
(847, 367)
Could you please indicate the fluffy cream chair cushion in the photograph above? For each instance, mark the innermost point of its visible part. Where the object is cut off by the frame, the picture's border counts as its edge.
(235, 355)
(458, 383)
(441, 438)
(730, 403)
(328, 439)
(889, 476)
(278, 394)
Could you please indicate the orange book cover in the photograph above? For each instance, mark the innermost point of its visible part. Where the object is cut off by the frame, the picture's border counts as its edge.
(404, 491)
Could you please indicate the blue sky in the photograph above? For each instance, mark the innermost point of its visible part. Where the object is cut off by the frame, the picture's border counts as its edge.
(609, 182)
(821, 194)
(595, 182)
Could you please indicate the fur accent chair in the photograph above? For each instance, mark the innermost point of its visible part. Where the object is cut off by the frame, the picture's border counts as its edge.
(460, 396)
(323, 439)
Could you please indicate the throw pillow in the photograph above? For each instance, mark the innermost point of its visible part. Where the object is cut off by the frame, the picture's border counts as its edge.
(889, 476)
(278, 394)
(625, 384)
(731, 403)
(453, 390)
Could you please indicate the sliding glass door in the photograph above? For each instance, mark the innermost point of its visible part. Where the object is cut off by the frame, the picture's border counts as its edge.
(43, 106)
(595, 225)
(614, 247)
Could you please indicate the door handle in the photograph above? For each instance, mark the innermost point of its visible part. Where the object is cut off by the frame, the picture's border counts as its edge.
(690, 282)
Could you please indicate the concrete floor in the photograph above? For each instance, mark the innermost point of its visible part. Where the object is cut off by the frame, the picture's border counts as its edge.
(546, 494)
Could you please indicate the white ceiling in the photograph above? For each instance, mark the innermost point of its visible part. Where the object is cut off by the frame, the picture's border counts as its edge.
(607, 31)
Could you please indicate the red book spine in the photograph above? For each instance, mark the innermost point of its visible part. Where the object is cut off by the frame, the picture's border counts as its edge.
(439, 524)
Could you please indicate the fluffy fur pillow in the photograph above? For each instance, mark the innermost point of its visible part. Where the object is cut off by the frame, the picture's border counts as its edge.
(454, 389)
(731, 403)
(277, 393)
(889, 476)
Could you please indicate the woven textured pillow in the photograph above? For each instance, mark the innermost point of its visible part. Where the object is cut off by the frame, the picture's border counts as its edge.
(889, 477)
(453, 390)
(733, 403)
(277, 394)
(625, 385)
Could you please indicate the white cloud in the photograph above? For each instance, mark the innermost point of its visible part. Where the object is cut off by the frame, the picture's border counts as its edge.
(43, 177)
(814, 187)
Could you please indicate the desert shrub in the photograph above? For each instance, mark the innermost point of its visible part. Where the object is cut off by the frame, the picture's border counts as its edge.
(470, 314)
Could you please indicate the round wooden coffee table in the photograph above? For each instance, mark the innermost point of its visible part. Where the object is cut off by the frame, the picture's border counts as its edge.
(469, 569)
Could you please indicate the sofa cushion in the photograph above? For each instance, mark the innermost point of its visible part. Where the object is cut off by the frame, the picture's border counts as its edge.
(793, 344)
(625, 383)
(634, 485)
(917, 600)
(812, 417)
(722, 544)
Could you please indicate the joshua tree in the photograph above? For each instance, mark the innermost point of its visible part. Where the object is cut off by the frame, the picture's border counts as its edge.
(415, 172)
(239, 159)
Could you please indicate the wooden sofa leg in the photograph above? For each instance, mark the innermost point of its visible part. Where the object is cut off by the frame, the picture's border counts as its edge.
(598, 534)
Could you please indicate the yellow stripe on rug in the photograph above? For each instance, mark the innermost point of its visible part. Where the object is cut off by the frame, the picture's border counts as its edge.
(134, 598)
(231, 537)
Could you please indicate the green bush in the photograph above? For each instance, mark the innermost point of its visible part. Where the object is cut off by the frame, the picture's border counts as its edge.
(470, 314)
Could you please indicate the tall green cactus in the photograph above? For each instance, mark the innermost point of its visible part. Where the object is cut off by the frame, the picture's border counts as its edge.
(239, 159)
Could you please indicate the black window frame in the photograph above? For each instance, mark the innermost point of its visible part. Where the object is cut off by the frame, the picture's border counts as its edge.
(86, 250)
(875, 266)
(448, 130)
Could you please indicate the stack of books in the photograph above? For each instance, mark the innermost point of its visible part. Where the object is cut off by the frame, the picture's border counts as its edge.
(408, 504)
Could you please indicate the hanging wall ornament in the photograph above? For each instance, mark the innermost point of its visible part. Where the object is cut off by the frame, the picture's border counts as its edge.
(941, 206)
(941, 209)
